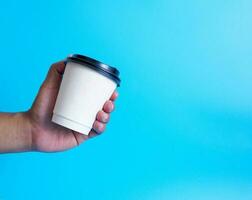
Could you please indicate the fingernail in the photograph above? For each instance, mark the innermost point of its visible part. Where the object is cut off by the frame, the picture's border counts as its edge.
(111, 106)
(105, 118)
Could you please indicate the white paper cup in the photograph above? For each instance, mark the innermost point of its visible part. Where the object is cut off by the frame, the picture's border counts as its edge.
(86, 85)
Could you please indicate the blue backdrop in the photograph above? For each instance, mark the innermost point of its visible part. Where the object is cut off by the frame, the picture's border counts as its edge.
(182, 128)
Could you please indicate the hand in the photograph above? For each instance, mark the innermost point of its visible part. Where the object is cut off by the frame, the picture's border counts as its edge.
(50, 137)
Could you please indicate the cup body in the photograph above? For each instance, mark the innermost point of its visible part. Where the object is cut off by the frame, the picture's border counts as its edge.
(83, 92)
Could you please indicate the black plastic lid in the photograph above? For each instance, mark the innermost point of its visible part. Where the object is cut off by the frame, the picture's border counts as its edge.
(106, 70)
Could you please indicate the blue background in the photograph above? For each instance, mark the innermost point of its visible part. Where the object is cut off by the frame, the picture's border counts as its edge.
(182, 128)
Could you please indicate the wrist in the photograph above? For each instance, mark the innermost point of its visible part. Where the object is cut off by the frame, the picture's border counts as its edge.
(25, 130)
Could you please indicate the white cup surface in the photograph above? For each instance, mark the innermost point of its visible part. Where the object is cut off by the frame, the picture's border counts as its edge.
(83, 92)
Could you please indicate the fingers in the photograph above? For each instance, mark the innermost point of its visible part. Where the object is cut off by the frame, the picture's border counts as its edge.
(99, 127)
(108, 106)
(79, 137)
(92, 134)
(102, 117)
(114, 96)
(54, 75)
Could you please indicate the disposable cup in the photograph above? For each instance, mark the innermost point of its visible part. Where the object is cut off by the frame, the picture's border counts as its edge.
(86, 85)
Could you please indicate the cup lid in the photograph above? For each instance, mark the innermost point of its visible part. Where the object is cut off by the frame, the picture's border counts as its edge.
(104, 69)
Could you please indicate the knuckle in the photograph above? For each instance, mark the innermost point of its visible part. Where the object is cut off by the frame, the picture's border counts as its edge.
(105, 117)
(113, 107)
(99, 127)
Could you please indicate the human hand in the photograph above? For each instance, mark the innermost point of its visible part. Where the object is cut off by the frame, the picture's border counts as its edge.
(47, 136)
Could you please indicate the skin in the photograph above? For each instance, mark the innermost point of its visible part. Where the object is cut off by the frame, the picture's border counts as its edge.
(33, 130)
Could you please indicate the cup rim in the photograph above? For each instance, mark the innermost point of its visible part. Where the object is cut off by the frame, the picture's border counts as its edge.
(104, 69)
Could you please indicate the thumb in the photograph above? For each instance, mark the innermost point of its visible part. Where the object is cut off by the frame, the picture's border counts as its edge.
(54, 75)
(45, 100)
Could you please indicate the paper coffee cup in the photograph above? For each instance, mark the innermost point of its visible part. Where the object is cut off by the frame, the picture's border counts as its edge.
(86, 85)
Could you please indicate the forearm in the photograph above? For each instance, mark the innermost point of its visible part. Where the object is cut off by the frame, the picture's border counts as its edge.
(15, 132)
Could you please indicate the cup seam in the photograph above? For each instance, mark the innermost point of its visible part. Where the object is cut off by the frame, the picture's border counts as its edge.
(71, 120)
